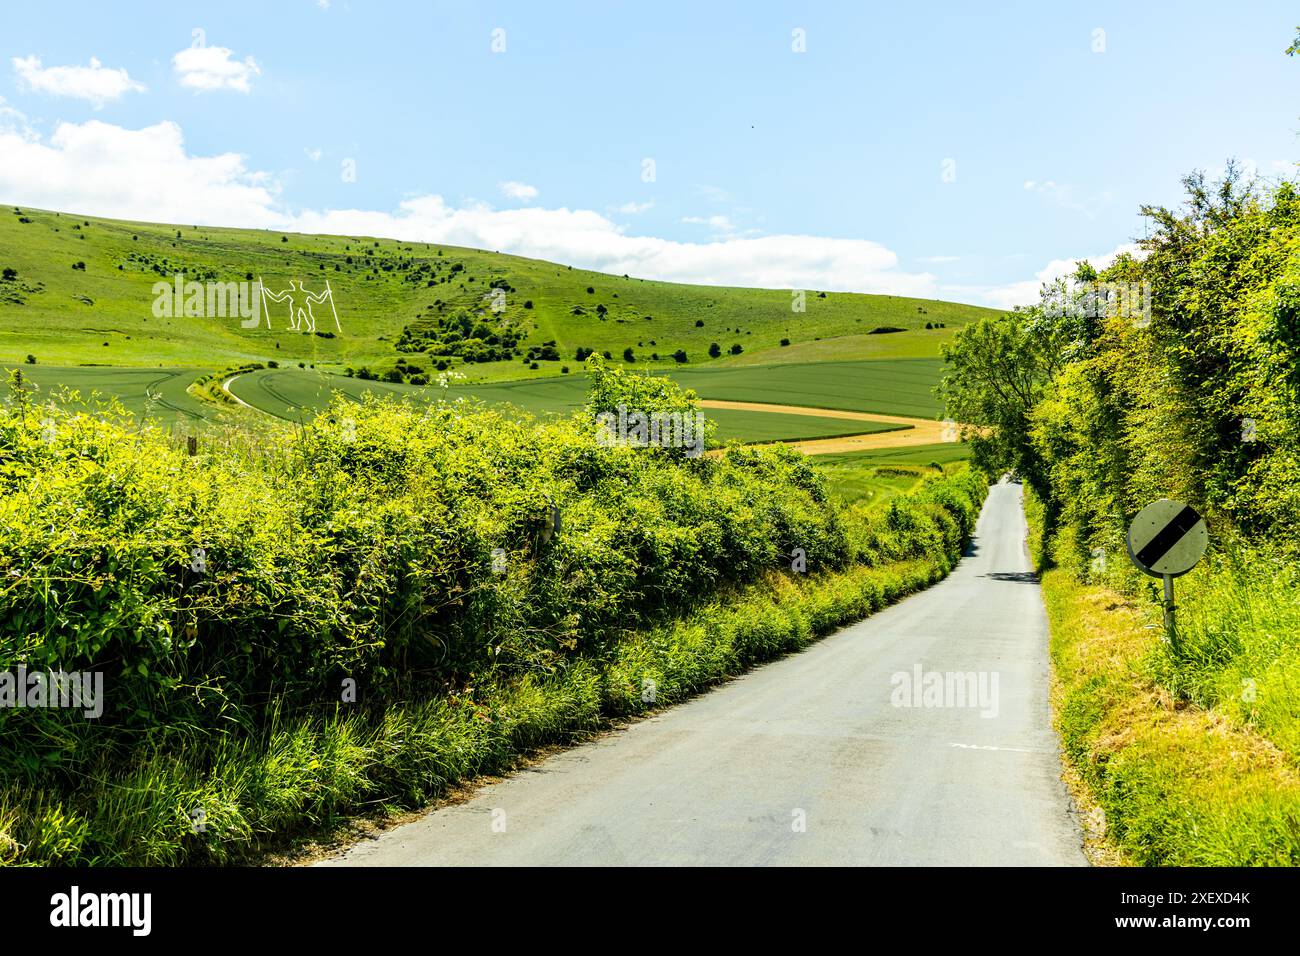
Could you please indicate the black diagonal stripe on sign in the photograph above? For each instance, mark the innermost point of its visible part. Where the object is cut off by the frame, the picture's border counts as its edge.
(1167, 537)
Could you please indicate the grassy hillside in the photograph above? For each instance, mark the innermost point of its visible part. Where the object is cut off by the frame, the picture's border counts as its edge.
(391, 293)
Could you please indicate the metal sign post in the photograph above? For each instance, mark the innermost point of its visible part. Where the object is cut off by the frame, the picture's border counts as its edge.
(1165, 540)
(1170, 627)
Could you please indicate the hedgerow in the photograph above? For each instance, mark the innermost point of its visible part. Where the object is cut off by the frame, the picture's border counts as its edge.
(323, 623)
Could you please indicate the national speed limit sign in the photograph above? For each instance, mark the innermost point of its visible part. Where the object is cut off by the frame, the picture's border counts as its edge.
(1167, 538)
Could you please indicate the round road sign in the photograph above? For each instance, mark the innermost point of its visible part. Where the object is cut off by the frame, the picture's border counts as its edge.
(1167, 538)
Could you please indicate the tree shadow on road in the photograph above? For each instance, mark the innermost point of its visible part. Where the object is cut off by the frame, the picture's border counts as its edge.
(1023, 577)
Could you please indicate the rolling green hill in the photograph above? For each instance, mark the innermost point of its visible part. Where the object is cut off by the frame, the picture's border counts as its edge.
(83, 294)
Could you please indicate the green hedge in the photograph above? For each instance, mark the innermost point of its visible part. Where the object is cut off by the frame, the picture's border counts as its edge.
(361, 550)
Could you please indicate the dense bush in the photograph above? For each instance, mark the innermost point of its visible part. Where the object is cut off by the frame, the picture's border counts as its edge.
(230, 596)
(365, 546)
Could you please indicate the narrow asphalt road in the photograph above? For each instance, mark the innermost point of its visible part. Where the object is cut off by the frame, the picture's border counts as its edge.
(812, 759)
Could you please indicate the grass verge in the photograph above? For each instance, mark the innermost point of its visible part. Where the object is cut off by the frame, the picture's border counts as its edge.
(1163, 780)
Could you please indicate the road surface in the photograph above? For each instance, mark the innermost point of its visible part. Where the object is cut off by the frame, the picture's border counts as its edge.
(812, 759)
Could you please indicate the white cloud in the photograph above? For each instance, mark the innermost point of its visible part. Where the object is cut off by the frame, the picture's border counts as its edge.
(634, 208)
(95, 83)
(206, 68)
(585, 238)
(314, 154)
(719, 224)
(940, 260)
(9, 111)
(517, 190)
(1026, 293)
(100, 169)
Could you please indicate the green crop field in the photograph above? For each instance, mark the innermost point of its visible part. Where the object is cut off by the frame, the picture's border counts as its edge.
(295, 394)
(901, 387)
(149, 392)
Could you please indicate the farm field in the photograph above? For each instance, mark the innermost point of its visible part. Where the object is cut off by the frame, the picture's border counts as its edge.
(295, 394)
(157, 392)
(899, 387)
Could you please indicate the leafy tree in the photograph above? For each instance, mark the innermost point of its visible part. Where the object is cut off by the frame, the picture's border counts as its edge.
(996, 373)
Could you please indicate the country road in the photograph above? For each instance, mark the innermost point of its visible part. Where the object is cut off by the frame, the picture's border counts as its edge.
(811, 759)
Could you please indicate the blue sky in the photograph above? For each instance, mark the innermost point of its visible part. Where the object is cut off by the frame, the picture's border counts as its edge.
(817, 169)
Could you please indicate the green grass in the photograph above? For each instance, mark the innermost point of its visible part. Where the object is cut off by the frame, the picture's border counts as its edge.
(754, 427)
(65, 316)
(1239, 644)
(1175, 786)
(890, 387)
(1177, 762)
(937, 455)
(875, 477)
